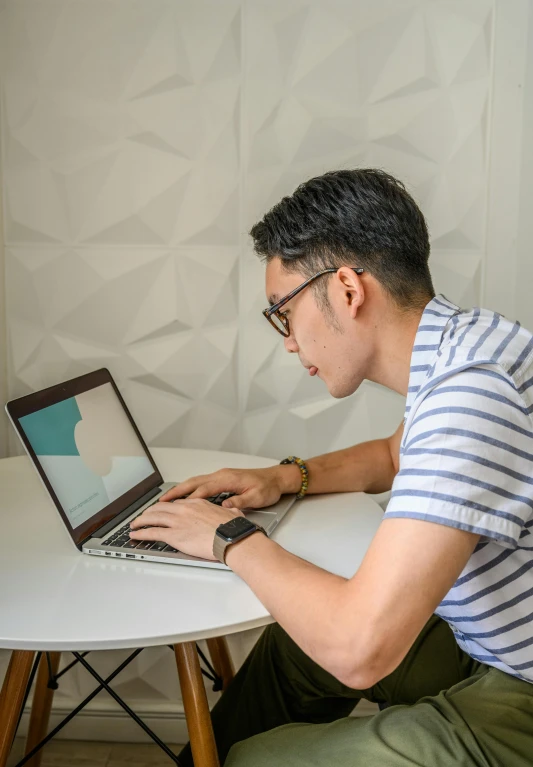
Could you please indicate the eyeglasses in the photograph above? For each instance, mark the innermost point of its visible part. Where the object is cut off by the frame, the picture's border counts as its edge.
(279, 320)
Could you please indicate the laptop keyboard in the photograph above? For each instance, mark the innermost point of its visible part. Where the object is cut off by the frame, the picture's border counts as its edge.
(121, 538)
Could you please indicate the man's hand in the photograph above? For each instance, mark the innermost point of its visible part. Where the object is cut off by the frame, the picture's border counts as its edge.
(188, 525)
(253, 488)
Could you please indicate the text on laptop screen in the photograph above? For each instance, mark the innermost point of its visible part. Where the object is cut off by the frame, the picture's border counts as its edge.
(88, 450)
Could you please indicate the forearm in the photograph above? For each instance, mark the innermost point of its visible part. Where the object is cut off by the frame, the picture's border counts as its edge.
(279, 579)
(367, 467)
(359, 629)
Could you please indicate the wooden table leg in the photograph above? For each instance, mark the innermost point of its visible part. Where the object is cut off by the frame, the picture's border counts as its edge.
(222, 663)
(203, 746)
(12, 697)
(41, 706)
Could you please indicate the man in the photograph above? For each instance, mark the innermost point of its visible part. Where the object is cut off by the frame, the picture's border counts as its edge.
(436, 623)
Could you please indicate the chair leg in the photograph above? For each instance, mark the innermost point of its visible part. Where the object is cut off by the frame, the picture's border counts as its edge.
(203, 746)
(12, 698)
(41, 706)
(221, 658)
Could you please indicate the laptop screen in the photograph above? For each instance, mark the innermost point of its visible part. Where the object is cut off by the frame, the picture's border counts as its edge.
(86, 448)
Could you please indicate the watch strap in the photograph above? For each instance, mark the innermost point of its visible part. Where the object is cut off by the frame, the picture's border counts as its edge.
(220, 546)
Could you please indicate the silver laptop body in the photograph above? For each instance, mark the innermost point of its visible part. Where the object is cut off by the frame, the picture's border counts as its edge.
(96, 467)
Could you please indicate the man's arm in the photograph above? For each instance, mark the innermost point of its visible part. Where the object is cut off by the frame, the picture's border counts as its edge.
(369, 467)
(359, 629)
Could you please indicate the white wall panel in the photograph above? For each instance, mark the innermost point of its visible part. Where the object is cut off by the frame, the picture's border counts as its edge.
(121, 172)
(508, 257)
(163, 321)
(3, 338)
(360, 84)
(524, 241)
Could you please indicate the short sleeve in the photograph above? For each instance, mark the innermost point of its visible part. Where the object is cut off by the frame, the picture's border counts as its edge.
(466, 459)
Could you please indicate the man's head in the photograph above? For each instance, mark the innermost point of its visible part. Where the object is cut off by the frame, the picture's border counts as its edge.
(349, 218)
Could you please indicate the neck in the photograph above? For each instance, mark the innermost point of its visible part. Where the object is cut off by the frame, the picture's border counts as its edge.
(391, 363)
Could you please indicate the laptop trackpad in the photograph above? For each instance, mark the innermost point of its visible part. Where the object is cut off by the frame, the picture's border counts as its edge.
(263, 518)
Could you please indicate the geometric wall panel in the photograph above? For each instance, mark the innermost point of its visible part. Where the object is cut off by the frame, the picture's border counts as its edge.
(119, 129)
(4, 431)
(163, 321)
(120, 158)
(140, 143)
(350, 85)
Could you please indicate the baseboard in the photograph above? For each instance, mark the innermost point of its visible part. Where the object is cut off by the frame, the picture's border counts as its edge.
(114, 725)
(107, 723)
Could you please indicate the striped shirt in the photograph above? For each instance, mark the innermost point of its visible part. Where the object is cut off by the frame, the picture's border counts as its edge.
(466, 461)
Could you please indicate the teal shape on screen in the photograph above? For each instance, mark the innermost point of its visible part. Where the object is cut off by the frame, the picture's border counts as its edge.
(51, 430)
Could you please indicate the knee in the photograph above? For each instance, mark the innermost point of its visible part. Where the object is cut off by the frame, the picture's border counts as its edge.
(245, 754)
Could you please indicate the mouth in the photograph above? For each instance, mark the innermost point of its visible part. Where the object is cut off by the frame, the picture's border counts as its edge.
(312, 370)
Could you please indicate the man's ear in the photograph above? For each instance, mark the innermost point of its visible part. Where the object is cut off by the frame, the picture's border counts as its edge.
(352, 288)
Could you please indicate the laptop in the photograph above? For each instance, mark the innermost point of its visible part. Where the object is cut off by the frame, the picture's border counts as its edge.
(96, 467)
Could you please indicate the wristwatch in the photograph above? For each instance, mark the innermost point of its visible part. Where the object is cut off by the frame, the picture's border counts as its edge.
(231, 532)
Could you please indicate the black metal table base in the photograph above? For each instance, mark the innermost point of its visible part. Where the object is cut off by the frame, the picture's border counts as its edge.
(103, 684)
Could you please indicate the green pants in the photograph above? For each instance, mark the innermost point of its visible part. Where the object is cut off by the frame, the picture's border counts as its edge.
(444, 709)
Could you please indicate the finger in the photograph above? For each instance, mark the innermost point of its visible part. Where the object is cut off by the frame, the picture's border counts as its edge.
(207, 489)
(169, 507)
(179, 491)
(161, 518)
(151, 534)
(244, 501)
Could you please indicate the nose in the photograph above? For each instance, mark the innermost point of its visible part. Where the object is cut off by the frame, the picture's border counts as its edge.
(290, 344)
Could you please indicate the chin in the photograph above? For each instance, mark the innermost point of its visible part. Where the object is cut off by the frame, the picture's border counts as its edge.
(337, 391)
(341, 389)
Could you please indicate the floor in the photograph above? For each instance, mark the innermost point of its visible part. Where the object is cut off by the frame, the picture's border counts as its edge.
(76, 753)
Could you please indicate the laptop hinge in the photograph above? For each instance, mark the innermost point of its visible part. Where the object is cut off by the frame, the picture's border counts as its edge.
(102, 531)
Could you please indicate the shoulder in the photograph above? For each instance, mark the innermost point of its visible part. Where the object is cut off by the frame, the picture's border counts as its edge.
(471, 397)
(480, 336)
(466, 457)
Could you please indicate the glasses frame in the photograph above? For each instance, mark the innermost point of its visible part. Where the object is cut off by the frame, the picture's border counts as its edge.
(275, 309)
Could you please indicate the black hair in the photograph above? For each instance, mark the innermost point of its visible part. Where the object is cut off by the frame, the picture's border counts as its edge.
(362, 217)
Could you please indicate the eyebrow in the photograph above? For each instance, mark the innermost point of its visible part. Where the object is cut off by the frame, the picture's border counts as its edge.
(273, 299)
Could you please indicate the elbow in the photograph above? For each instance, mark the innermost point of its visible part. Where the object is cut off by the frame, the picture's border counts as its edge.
(365, 669)
(359, 677)
(357, 669)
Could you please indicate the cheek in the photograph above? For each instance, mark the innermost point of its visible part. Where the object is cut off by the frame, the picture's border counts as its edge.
(331, 353)
(315, 339)
(312, 343)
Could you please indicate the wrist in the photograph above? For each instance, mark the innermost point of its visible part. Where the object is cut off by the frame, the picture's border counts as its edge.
(245, 547)
(289, 478)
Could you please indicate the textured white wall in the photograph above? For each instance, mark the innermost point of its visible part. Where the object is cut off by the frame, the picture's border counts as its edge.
(3, 337)
(3, 379)
(121, 157)
(140, 142)
(506, 267)
(404, 87)
(524, 242)
(141, 139)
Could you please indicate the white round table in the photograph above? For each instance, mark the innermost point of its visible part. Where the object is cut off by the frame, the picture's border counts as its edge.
(53, 598)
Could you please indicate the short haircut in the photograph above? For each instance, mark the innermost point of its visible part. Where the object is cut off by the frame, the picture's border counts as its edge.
(362, 217)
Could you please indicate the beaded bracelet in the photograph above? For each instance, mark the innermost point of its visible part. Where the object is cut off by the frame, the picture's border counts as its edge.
(305, 474)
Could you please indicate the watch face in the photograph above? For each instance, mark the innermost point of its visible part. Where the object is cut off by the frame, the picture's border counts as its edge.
(235, 528)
